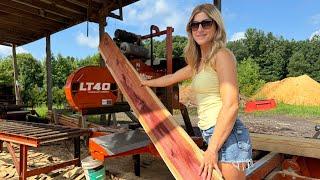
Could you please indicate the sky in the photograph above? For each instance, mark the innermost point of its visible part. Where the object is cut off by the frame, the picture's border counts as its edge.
(291, 19)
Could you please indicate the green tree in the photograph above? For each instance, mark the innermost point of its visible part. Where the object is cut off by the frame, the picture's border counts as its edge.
(30, 76)
(62, 67)
(6, 71)
(298, 65)
(89, 61)
(255, 41)
(58, 96)
(248, 77)
(306, 59)
(30, 71)
(239, 49)
(178, 44)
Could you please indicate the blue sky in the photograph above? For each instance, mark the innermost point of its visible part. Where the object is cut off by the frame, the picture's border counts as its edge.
(292, 19)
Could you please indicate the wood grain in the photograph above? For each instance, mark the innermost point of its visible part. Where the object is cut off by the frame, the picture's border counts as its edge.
(288, 145)
(179, 152)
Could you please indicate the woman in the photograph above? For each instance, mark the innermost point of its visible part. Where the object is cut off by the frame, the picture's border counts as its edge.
(212, 68)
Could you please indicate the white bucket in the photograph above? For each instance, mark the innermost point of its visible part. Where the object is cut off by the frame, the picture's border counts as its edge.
(93, 169)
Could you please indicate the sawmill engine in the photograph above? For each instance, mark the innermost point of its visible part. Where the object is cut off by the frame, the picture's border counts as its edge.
(94, 87)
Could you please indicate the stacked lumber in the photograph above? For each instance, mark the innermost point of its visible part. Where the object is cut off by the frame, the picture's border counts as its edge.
(70, 121)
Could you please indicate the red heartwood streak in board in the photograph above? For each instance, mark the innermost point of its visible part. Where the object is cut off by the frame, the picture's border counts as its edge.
(174, 147)
(177, 149)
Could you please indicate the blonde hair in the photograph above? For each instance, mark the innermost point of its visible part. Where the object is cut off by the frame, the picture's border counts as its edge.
(192, 50)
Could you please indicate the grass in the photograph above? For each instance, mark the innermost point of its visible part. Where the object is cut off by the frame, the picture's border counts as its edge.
(281, 109)
(291, 110)
(43, 110)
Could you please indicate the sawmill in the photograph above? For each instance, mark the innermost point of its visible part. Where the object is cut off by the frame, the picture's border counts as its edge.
(114, 87)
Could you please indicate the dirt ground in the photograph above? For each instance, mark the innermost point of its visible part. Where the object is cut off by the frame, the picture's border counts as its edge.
(151, 167)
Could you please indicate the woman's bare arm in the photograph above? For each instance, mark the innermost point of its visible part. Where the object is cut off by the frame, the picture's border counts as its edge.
(180, 75)
(225, 66)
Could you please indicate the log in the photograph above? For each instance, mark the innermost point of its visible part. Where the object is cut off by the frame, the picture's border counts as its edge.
(177, 149)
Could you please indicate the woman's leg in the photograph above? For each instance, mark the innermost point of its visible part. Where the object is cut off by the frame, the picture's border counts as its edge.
(231, 171)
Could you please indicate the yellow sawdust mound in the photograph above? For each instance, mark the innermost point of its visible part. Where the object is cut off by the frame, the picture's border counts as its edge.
(301, 90)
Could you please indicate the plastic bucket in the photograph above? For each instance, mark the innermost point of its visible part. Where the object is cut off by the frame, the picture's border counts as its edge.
(93, 169)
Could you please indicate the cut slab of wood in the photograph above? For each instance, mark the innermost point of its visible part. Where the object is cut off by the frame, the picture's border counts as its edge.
(179, 152)
(288, 145)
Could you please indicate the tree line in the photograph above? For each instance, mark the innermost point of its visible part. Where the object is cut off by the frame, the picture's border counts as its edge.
(261, 57)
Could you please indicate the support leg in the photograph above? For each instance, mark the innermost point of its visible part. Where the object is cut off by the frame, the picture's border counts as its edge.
(109, 119)
(186, 119)
(1, 146)
(23, 162)
(84, 121)
(77, 149)
(136, 159)
(14, 157)
(114, 119)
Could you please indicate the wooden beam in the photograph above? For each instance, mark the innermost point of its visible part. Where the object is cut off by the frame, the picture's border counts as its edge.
(84, 4)
(177, 149)
(28, 24)
(5, 44)
(11, 40)
(17, 34)
(13, 36)
(49, 72)
(16, 25)
(51, 7)
(217, 3)
(108, 6)
(36, 11)
(106, 9)
(264, 166)
(287, 145)
(102, 24)
(169, 51)
(68, 6)
(21, 16)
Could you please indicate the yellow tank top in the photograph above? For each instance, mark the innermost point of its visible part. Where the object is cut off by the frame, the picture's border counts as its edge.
(205, 84)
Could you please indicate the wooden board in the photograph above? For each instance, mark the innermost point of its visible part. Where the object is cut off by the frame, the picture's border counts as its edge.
(288, 145)
(179, 152)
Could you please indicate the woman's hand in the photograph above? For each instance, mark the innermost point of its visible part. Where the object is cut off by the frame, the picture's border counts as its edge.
(144, 83)
(209, 163)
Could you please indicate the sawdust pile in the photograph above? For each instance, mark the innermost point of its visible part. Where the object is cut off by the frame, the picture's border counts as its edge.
(301, 90)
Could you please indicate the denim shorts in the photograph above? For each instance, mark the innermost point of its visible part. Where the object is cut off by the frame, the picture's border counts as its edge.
(237, 148)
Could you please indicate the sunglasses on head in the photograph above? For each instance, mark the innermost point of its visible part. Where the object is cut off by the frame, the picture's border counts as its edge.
(205, 24)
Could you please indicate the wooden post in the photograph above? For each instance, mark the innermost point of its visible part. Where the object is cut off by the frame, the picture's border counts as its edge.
(217, 3)
(102, 24)
(15, 76)
(169, 51)
(49, 72)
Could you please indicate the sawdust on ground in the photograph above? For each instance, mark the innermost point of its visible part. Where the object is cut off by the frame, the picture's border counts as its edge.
(121, 168)
(301, 90)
